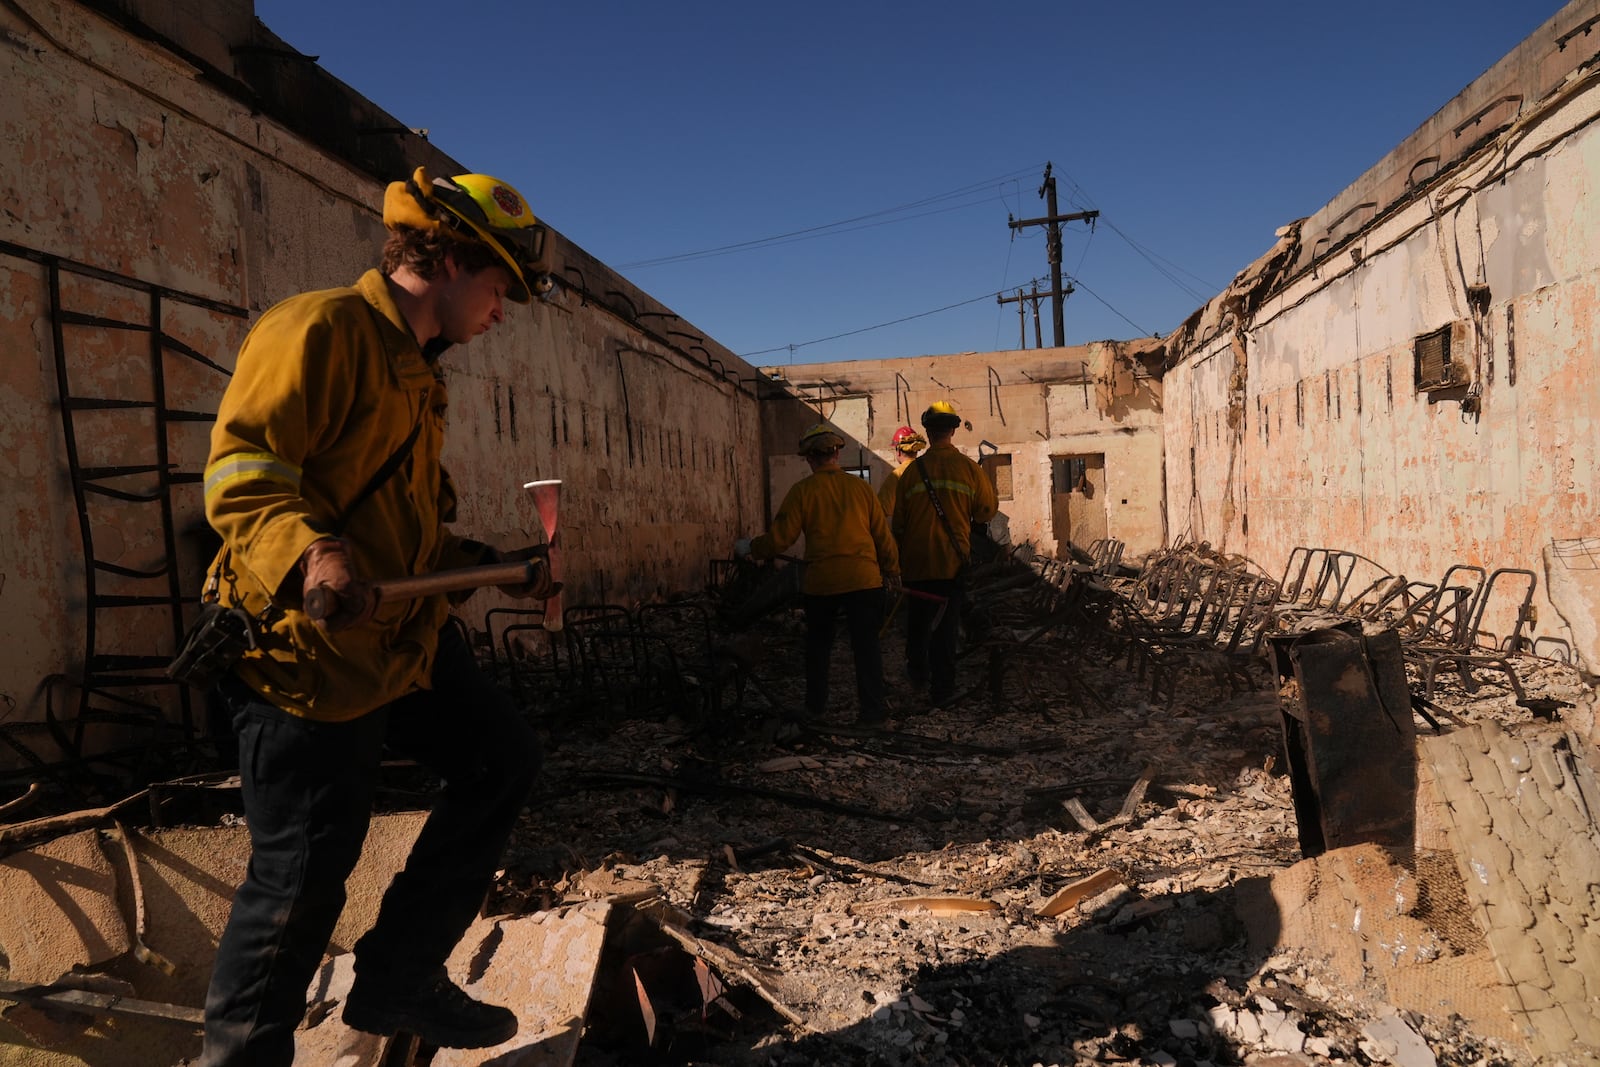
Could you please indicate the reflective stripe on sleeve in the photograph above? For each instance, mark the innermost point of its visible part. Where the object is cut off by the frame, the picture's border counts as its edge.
(249, 466)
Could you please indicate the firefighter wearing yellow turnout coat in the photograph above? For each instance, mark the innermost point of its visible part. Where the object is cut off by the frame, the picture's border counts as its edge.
(935, 547)
(907, 443)
(849, 558)
(345, 363)
(325, 474)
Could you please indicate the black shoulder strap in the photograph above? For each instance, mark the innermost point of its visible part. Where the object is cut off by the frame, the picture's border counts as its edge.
(390, 465)
(211, 591)
(383, 474)
(938, 509)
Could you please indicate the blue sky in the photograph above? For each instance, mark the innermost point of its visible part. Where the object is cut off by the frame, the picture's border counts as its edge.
(648, 132)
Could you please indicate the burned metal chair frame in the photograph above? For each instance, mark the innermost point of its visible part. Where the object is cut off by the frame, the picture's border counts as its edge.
(1195, 609)
(540, 671)
(697, 673)
(603, 643)
(1464, 648)
(1226, 636)
(1451, 608)
(611, 660)
(1318, 580)
(1440, 624)
(1051, 615)
(1106, 554)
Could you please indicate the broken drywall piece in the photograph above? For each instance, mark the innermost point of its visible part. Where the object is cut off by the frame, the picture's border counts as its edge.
(1356, 910)
(60, 912)
(1399, 1044)
(610, 886)
(543, 968)
(1573, 585)
(323, 1037)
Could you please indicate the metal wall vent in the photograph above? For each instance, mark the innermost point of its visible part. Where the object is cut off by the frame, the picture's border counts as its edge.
(1440, 358)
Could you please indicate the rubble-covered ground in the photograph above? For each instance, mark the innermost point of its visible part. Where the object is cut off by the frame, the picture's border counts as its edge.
(878, 894)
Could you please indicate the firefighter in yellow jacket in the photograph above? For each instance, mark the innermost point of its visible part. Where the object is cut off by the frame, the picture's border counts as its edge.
(325, 473)
(850, 558)
(934, 531)
(907, 443)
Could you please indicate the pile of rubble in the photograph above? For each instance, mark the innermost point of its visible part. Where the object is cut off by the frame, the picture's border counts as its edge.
(982, 884)
(1094, 855)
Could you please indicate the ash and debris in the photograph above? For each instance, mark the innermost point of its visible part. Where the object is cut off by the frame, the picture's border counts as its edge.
(797, 847)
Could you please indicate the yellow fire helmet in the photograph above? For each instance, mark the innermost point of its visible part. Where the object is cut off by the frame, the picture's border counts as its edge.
(941, 415)
(476, 207)
(821, 438)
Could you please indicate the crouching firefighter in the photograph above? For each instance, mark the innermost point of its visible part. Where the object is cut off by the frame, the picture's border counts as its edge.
(324, 475)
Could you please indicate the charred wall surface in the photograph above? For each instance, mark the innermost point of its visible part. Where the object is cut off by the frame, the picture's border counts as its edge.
(1400, 375)
(167, 174)
(1028, 414)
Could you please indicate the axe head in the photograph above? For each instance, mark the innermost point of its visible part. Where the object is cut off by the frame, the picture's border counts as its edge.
(546, 501)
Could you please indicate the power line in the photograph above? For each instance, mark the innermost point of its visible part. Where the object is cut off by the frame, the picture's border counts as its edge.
(867, 329)
(924, 314)
(1150, 257)
(1081, 198)
(841, 226)
(1079, 283)
(773, 242)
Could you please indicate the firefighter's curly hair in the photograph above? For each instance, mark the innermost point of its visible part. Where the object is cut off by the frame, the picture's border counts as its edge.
(424, 252)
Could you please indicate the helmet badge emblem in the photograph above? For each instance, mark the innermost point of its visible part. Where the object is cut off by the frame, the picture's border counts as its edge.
(508, 201)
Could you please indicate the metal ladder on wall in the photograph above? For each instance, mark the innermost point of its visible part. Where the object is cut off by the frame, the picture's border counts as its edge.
(117, 686)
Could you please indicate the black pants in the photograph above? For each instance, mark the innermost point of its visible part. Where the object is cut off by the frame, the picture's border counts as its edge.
(308, 789)
(931, 650)
(863, 613)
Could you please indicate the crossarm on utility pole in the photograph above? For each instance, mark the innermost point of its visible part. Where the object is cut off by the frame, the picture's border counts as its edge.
(1052, 223)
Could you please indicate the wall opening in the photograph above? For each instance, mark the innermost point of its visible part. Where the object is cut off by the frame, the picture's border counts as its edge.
(998, 467)
(1077, 500)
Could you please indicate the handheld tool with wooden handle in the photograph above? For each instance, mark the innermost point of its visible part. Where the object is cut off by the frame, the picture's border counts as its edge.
(322, 601)
(546, 501)
(917, 594)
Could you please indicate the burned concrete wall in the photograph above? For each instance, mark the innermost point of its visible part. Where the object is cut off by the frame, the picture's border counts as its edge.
(164, 179)
(1401, 376)
(1071, 435)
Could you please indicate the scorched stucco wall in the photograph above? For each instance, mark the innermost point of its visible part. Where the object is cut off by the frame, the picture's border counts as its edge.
(1301, 423)
(1031, 405)
(120, 156)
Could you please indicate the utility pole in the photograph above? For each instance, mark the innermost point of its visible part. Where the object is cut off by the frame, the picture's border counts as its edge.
(1022, 315)
(1032, 298)
(1052, 224)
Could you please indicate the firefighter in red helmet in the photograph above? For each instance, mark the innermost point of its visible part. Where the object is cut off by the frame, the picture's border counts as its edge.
(907, 443)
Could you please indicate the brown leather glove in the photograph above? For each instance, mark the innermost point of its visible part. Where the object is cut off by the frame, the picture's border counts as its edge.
(331, 585)
(542, 586)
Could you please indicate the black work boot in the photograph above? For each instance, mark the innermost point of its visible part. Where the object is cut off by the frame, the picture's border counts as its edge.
(436, 1010)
